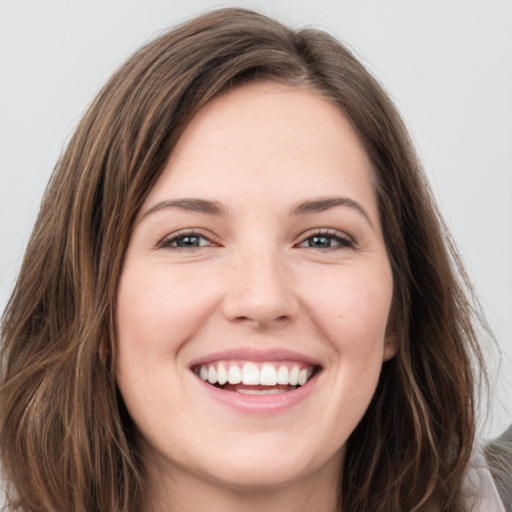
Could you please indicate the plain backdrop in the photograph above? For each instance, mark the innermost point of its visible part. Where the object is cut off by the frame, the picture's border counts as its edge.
(446, 63)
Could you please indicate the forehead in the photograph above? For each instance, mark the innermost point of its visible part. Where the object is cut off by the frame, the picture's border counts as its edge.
(267, 140)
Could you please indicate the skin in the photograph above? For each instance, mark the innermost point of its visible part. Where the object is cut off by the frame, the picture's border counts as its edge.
(256, 280)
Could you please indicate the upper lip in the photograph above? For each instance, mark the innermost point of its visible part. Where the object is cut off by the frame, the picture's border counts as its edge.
(256, 355)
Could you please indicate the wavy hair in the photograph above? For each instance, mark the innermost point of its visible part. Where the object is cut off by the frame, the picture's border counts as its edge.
(66, 440)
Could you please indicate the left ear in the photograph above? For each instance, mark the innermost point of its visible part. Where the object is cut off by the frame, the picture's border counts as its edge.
(390, 347)
(103, 351)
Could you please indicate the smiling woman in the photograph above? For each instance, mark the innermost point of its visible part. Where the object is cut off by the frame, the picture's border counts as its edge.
(273, 279)
(239, 295)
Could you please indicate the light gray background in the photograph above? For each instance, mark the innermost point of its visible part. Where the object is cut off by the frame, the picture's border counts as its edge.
(447, 64)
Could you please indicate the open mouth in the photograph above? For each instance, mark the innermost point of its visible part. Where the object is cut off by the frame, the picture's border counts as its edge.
(252, 378)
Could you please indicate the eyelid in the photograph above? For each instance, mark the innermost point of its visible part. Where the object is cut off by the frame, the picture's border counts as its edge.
(166, 241)
(348, 241)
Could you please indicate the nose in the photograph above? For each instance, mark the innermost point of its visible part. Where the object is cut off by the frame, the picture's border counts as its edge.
(260, 290)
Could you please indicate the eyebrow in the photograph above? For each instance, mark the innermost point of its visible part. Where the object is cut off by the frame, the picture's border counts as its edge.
(212, 207)
(191, 205)
(321, 204)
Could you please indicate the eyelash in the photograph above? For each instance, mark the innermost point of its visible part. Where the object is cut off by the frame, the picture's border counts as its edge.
(342, 241)
(167, 243)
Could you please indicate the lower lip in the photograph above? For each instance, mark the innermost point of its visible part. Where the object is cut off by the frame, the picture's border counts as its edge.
(259, 403)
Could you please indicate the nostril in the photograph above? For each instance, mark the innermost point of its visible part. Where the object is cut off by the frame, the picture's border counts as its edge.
(262, 320)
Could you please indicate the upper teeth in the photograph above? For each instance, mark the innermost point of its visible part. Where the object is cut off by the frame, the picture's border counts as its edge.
(250, 374)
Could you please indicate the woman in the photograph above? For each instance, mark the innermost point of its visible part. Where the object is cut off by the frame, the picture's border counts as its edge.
(239, 294)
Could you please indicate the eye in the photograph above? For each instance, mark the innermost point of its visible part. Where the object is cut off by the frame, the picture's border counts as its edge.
(186, 240)
(327, 240)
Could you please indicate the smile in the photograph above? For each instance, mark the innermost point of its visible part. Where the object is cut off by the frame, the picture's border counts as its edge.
(256, 378)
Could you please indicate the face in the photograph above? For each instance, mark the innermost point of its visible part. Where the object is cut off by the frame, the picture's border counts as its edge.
(255, 294)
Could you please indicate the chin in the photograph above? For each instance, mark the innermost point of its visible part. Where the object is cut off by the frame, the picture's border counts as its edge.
(268, 463)
(260, 476)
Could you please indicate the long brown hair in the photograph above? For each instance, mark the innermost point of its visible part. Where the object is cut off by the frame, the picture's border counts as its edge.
(66, 440)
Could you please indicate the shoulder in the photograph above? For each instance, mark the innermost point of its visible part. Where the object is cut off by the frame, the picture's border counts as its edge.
(498, 454)
(480, 488)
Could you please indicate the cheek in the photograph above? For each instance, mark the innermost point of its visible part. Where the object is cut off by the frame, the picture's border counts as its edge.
(153, 322)
(160, 309)
(349, 308)
(352, 307)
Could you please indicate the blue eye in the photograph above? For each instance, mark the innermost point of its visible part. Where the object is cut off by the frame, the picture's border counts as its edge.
(326, 241)
(188, 240)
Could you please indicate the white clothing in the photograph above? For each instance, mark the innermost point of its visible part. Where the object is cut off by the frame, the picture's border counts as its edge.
(480, 487)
